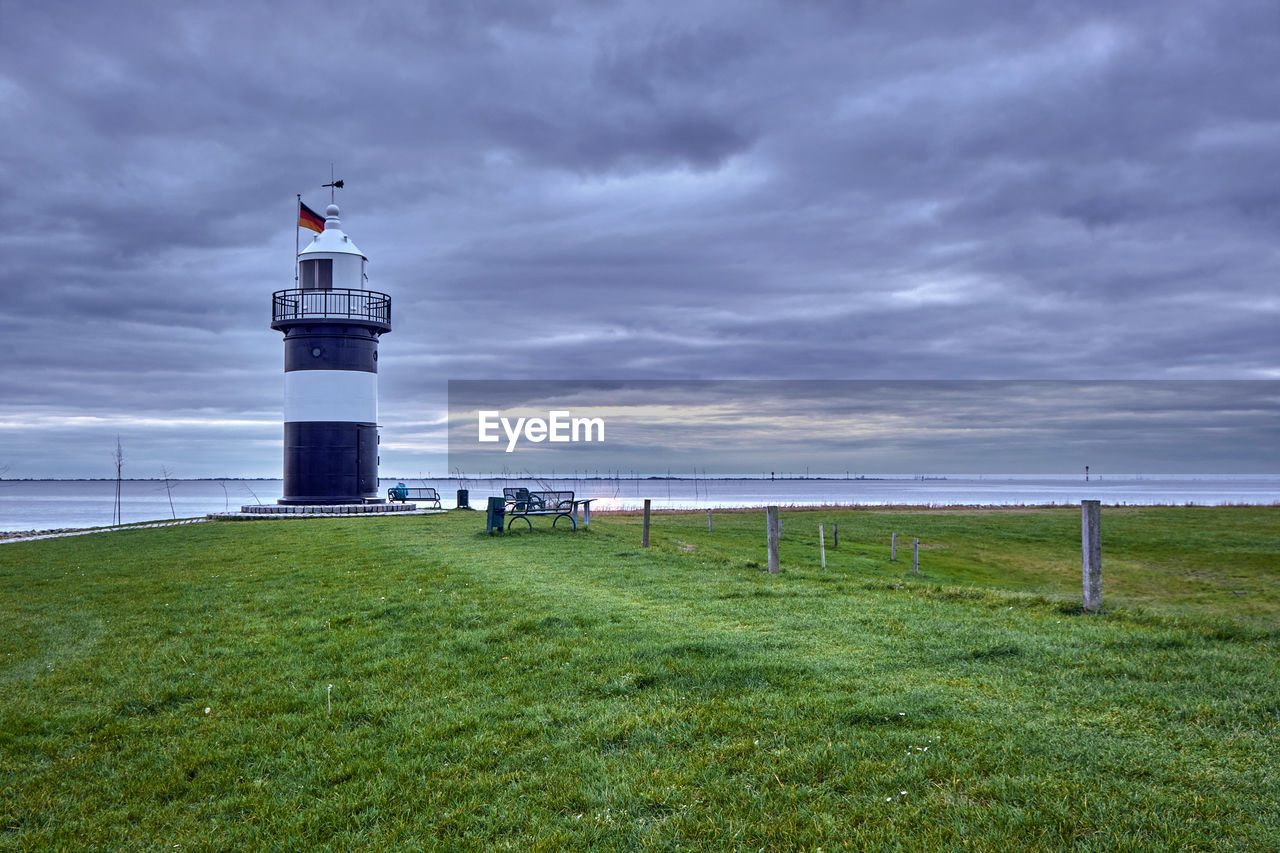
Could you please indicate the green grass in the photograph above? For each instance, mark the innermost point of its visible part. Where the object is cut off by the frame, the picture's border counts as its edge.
(552, 690)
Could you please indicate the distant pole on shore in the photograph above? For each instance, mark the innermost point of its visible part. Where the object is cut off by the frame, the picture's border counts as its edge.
(116, 518)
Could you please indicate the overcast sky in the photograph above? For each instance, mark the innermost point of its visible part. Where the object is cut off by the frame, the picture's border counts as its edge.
(834, 427)
(620, 190)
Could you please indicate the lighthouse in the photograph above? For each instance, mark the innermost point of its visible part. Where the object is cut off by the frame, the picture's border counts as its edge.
(331, 323)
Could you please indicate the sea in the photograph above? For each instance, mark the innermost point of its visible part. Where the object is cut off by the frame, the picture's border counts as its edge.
(58, 504)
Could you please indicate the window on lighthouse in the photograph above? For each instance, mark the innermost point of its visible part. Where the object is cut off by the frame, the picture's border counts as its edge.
(317, 274)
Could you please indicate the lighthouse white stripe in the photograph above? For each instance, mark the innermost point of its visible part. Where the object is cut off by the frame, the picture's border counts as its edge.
(331, 395)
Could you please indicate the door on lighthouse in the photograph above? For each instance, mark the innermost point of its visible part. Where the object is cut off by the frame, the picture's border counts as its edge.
(367, 460)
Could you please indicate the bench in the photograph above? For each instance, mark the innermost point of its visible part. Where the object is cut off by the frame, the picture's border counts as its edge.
(522, 503)
(402, 493)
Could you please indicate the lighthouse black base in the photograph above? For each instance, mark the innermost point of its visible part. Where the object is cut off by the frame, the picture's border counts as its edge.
(329, 462)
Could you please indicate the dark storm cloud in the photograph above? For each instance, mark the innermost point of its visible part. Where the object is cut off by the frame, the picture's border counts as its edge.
(817, 189)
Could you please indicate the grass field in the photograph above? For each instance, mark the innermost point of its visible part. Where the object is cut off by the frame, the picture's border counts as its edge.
(410, 683)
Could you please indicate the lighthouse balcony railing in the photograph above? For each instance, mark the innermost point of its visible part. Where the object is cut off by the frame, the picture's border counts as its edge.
(362, 306)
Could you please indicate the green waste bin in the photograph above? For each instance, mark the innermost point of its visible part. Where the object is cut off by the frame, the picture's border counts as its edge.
(496, 516)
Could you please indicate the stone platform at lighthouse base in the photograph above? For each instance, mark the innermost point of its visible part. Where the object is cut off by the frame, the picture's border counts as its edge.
(265, 511)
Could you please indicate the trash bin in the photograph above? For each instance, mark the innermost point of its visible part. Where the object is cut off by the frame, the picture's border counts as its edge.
(463, 499)
(496, 516)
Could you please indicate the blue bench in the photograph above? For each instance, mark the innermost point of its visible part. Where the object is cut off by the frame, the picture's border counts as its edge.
(402, 493)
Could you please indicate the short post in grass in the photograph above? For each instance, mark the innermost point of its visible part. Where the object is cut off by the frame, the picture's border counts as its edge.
(644, 536)
(893, 547)
(915, 556)
(835, 536)
(1091, 553)
(773, 532)
(822, 547)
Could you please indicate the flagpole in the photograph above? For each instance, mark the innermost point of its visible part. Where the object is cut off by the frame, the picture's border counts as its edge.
(297, 217)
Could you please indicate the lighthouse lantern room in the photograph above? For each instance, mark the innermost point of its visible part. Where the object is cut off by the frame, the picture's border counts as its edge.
(331, 323)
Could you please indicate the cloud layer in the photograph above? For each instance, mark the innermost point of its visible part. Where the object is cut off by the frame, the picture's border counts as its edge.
(809, 190)
(755, 427)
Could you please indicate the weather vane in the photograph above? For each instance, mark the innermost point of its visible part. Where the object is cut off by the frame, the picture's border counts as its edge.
(332, 185)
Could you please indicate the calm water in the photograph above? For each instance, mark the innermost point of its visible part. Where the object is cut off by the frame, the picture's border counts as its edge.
(46, 504)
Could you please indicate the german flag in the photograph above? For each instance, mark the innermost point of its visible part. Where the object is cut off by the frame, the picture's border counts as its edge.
(308, 218)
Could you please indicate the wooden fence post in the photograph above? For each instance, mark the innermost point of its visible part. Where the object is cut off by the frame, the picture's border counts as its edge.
(773, 532)
(1091, 553)
(644, 536)
(835, 536)
(893, 547)
(822, 547)
(915, 556)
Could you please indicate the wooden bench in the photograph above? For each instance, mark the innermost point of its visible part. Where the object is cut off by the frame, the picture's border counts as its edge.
(522, 503)
(402, 493)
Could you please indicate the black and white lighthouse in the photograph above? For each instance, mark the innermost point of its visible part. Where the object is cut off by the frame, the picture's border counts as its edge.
(331, 323)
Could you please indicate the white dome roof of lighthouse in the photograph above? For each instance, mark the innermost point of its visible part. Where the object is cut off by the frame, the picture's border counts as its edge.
(332, 240)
